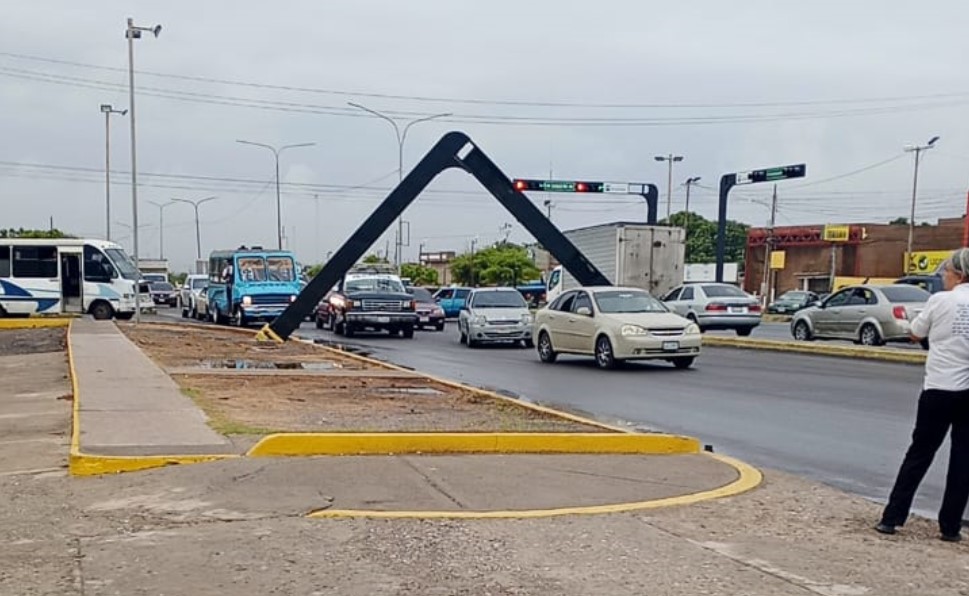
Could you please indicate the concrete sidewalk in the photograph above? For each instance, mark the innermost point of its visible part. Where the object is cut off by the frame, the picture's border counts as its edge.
(128, 405)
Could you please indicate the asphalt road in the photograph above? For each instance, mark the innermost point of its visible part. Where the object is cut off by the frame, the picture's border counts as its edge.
(840, 421)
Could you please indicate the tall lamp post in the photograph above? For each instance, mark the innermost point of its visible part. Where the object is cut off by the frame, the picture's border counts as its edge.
(161, 226)
(401, 137)
(917, 149)
(107, 110)
(198, 233)
(686, 225)
(132, 33)
(279, 209)
(669, 180)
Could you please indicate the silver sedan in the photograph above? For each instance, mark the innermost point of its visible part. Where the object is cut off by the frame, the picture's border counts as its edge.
(868, 314)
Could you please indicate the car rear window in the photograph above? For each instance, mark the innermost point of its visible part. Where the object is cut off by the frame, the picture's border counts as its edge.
(723, 292)
(903, 293)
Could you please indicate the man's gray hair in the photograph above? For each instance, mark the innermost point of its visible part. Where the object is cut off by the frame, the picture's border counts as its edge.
(960, 261)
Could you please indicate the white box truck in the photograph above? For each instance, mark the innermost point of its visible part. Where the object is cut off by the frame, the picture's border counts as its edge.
(628, 254)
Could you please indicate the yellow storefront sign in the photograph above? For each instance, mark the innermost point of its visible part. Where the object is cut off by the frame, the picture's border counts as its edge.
(925, 261)
(836, 233)
(777, 259)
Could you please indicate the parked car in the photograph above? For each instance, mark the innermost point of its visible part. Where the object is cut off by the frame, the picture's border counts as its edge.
(715, 306)
(189, 292)
(929, 283)
(615, 324)
(452, 299)
(429, 312)
(371, 301)
(791, 302)
(495, 315)
(867, 314)
(163, 292)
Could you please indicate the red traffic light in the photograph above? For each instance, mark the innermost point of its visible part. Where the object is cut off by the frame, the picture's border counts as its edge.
(520, 185)
(581, 187)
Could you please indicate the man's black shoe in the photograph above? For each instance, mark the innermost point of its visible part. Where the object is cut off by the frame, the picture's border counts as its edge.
(957, 537)
(884, 528)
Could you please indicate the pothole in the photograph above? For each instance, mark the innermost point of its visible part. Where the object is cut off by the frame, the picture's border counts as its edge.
(240, 364)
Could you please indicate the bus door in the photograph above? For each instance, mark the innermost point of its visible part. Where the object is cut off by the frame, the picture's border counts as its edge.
(71, 295)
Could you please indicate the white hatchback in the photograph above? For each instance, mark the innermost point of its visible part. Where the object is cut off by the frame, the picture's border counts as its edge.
(493, 315)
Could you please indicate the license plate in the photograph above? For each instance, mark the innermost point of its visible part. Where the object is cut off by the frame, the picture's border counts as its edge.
(383, 319)
(425, 319)
(671, 346)
(738, 309)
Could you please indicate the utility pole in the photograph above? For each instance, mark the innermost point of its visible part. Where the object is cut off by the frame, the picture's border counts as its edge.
(107, 110)
(198, 232)
(669, 181)
(316, 226)
(917, 149)
(768, 249)
(161, 226)
(686, 224)
(474, 242)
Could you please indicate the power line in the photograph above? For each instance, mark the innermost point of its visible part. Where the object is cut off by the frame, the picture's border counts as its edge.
(498, 102)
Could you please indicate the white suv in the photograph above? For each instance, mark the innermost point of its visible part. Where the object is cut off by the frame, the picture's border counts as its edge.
(189, 293)
(495, 315)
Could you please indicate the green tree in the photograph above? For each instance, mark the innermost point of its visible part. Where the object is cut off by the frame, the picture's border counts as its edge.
(502, 264)
(899, 221)
(177, 279)
(22, 233)
(701, 240)
(419, 274)
(313, 270)
(374, 259)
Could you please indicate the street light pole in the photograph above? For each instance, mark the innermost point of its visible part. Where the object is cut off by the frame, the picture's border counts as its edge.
(198, 233)
(669, 180)
(401, 137)
(279, 208)
(107, 110)
(161, 226)
(917, 149)
(686, 224)
(132, 33)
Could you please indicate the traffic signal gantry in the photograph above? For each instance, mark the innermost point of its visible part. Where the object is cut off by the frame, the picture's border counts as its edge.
(728, 181)
(649, 192)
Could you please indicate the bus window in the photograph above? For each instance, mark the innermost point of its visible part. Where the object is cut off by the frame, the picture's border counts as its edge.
(4, 261)
(97, 268)
(280, 268)
(35, 261)
(251, 269)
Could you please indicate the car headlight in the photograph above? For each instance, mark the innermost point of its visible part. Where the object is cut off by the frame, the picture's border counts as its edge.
(633, 330)
(692, 329)
(438, 310)
(479, 320)
(247, 300)
(527, 319)
(292, 298)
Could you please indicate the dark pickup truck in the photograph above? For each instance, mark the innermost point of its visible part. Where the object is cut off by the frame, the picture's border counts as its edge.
(375, 302)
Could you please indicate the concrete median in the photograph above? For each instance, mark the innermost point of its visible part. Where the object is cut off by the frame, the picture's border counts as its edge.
(818, 348)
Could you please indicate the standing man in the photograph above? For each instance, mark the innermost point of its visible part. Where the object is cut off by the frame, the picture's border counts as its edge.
(943, 404)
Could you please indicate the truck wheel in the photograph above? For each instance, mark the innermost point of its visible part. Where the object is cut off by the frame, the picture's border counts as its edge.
(319, 322)
(408, 332)
(240, 319)
(338, 328)
(348, 330)
(101, 311)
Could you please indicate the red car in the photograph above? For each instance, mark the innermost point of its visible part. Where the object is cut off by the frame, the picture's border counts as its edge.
(429, 313)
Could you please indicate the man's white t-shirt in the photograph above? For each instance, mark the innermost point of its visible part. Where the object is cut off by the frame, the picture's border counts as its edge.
(945, 321)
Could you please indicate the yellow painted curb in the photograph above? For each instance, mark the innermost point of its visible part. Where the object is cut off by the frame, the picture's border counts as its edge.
(34, 322)
(776, 318)
(83, 464)
(748, 478)
(885, 355)
(309, 444)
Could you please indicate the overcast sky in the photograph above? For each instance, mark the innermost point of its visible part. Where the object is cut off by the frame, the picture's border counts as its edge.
(731, 86)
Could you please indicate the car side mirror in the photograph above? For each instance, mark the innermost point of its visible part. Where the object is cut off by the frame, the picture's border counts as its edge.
(585, 311)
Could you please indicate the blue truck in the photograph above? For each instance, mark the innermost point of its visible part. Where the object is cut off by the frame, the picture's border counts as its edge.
(251, 284)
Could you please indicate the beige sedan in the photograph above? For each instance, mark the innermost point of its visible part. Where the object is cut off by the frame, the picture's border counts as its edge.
(614, 324)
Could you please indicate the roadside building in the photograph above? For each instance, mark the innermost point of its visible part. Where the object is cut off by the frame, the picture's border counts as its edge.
(808, 258)
(441, 262)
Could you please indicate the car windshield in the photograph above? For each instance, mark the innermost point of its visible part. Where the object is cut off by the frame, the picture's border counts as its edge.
(280, 269)
(162, 286)
(498, 299)
(903, 293)
(122, 263)
(421, 295)
(723, 292)
(199, 283)
(619, 301)
(374, 284)
(251, 268)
